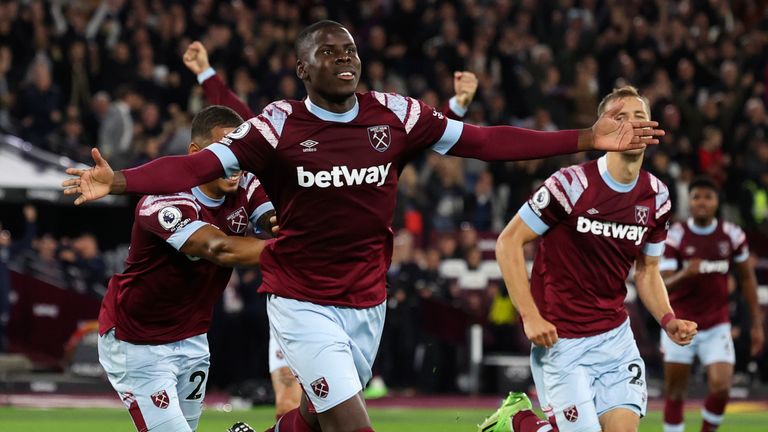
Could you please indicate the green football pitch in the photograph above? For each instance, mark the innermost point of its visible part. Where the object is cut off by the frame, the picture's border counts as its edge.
(384, 420)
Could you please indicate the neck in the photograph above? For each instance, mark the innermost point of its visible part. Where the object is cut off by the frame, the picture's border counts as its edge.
(703, 222)
(211, 191)
(334, 106)
(624, 168)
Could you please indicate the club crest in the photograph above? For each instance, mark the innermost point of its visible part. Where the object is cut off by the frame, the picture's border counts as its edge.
(641, 214)
(571, 413)
(379, 137)
(724, 248)
(238, 221)
(320, 387)
(160, 399)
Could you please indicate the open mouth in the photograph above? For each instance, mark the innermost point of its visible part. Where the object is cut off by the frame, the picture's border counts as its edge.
(346, 75)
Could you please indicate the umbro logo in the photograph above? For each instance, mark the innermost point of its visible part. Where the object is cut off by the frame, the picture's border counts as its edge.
(309, 145)
(593, 211)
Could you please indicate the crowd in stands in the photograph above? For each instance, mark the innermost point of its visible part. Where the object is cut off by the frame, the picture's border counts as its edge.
(81, 74)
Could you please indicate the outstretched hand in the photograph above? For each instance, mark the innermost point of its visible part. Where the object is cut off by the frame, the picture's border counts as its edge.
(196, 58)
(93, 183)
(610, 134)
(681, 331)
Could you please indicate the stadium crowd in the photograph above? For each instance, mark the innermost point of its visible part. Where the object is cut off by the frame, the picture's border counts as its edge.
(81, 74)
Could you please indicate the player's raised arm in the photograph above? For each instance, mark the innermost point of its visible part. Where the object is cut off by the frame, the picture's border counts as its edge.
(509, 253)
(512, 143)
(196, 60)
(464, 86)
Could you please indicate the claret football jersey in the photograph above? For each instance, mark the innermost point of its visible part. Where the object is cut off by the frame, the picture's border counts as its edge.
(593, 228)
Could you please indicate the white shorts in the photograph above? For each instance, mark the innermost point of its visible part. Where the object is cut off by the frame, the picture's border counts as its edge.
(163, 386)
(330, 349)
(580, 379)
(276, 356)
(713, 345)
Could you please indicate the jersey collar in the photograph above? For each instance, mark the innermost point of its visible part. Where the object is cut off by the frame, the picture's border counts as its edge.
(205, 199)
(698, 230)
(602, 166)
(326, 115)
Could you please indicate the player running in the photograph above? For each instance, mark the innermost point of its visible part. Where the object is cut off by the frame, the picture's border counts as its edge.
(287, 391)
(155, 315)
(696, 264)
(595, 220)
(330, 164)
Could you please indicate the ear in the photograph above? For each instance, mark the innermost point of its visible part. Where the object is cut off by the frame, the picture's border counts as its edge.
(301, 70)
(193, 148)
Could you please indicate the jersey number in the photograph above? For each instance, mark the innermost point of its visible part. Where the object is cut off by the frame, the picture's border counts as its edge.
(195, 395)
(638, 373)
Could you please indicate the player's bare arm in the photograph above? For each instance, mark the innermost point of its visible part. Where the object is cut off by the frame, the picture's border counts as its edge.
(653, 294)
(212, 244)
(748, 284)
(673, 279)
(509, 253)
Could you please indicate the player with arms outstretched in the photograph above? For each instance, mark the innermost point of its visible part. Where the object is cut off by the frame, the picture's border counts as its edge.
(287, 391)
(155, 315)
(696, 265)
(595, 221)
(330, 165)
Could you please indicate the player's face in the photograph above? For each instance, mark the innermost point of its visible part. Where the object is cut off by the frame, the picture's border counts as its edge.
(332, 67)
(703, 203)
(634, 110)
(226, 185)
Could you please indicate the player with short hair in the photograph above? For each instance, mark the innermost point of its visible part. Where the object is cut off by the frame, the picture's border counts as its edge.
(595, 221)
(696, 265)
(287, 391)
(155, 315)
(330, 164)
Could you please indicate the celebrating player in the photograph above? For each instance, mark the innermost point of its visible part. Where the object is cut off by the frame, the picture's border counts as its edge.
(330, 164)
(595, 219)
(155, 315)
(287, 390)
(696, 266)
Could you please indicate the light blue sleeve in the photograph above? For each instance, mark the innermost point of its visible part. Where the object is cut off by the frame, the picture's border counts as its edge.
(534, 222)
(226, 157)
(653, 249)
(456, 108)
(204, 75)
(181, 236)
(450, 136)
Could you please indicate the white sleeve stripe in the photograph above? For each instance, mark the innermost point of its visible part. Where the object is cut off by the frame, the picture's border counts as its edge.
(266, 130)
(450, 137)
(664, 209)
(156, 206)
(260, 211)
(579, 170)
(414, 112)
(228, 159)
(572, 188)
(252, 188)
(534, 222)
(653, 249)
(151, 199)
(743, 256)
(552, 185)
(181, 236)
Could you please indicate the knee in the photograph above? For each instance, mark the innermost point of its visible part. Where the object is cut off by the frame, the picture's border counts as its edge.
(719, 388)
(675, 393)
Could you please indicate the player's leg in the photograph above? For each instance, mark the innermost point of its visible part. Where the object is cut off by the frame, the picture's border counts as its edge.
(515, 414)
(319, 350)
(717, 354)
(287, 389)
(144, 377)
(677, 368)
(620, 389)
(620, 420)
(193, 378)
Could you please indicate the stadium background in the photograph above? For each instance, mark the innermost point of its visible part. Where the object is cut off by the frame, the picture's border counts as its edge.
(81, 74)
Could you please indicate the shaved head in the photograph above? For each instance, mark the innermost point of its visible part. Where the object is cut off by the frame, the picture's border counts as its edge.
(305, 38)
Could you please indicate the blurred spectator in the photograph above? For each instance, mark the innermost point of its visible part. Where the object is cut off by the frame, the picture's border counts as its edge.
(40, 103)
(116, 130)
